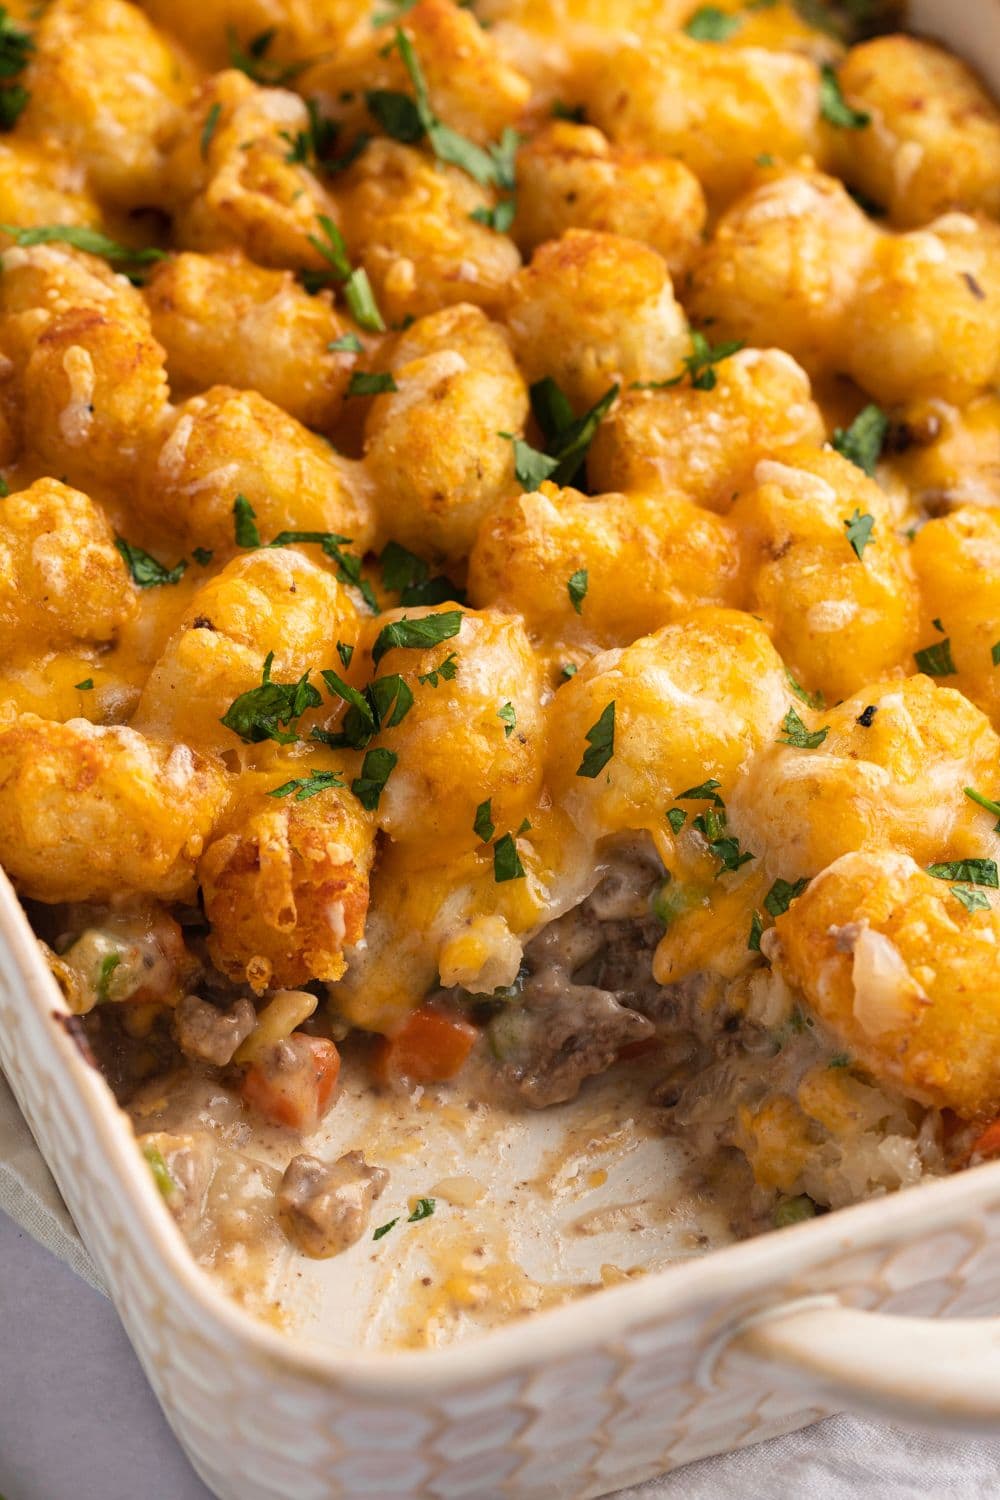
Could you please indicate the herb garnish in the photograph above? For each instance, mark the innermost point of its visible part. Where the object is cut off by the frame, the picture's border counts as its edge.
(986, 802)
(348, 343)
(315, 144)
(85, 686)
(706, 791)
(445, 670)
(795, 733)
(145, 570)
(405, 573)
(254, 61)
(370, 383)
(711, 824)
(676, 817)
(834, 107)
(161, 1172)
(506, 860)
(781, 895)
(970, 898)
(16, 48)
(811, 700)
(576, 587)
(202, 556)
(508, 718)
(423, 1209)
(699, 364)
(258, 715)
(936, 660)
(710, 24)
(109, 964)
(756, 931)
(383, 704)
(859, 532)
(416, 635)
(305, 787)
(568, 438)
(345, 651)
(863, 441)
(601, 741)
(245, 523)
(348, 565)
(375, 771)
(483, 826)
(354, 283)
(209, 128)
(383, 1229)
(968, 871)
(81, 237)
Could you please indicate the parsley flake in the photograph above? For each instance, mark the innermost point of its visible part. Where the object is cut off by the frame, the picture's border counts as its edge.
(833, 107)
(348, 565)
(383, 1229)
(376, 769)
(506, 860)
(81, 237)
(423, 1209)
(416, 635)
(356, 287)
(968, 871)
(483, 826)
(710, 24)
(370, 383)
(781, 895)
(499, 218)
(863, 441)
(261, 713)
(202, 556)
(16, 48)
(508, 717)
(995, 653)
(254, 62)
(699, 365)
(305, 787)
(445, 670)
(345, 651)
(811, 700)
(109, 964)
(601, 741)
(570, 669)
(676, 817)
(146, 572)
(408, 575)
(85, 686)
(348, 343)
(706, 791)
(756, 931)
(209, 128)
(575, 113)
(711, 824)
(971, 898)
(795, 733)
(936, 660)
(986, 802)
(568, 437)
(576, 587)
(245, 523)
(859, 532)
(156, 1162)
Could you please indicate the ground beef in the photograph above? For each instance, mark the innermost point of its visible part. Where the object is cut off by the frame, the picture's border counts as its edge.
(210, 1035)
(325, 1206)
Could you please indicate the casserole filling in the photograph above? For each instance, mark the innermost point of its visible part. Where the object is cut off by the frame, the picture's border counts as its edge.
(500, 614)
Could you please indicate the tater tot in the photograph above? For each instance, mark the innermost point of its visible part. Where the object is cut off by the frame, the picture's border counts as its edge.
(229, 442)
(783, 266)
(300, 28)
(95, 394)
(592, 309)
(471, 736)
(107, 87)
(926, 319)
(903, 974)
(43, 282)
(716, 108)
(39, 186)
(693, 701)
(706, 443)
(645, 561)
(408, 221)
(89, 813)
(957, 563)
(235, 184)
(890, 773)
(61, 577)
(222, 319)
(838, 619)
(570, 177)
(433, 449)
(469, 86)
(947, 456)
(285, 881)
(934, 139)
(273, 600)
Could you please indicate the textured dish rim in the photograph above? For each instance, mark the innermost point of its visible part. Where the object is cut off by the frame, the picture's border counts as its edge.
(604, 1316)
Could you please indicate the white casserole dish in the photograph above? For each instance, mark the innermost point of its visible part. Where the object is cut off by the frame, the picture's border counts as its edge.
(707, 1355)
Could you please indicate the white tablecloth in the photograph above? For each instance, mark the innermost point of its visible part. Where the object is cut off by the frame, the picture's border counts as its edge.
(78, 1422)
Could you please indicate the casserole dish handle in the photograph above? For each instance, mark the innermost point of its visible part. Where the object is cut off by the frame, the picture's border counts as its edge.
(939, 1372)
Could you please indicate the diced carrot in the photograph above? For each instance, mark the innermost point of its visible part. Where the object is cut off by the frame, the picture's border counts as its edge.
(988, 1142)
(293, 1084)
(430, 1048)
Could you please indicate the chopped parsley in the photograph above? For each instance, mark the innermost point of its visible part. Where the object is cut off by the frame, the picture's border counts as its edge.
(254, 62)
(146, 572)
(245, 523)
(305, 787)
(968, 871)
(866, 717)
(423, 1209)
(781, 895)
(370, 383)
(936, 660)
(567, 437)
(570, 669)
(81, 237)
(348, 343)
(710, 24)
(354, 283)
(314, 146)
(348, 565)
(4, 488)
(506, 860)
(445, 670)
(676, 817)
(601, 741)
(416, 635)
(202, 556)
(16, 48)
(109, 964)
(575, 113)
(840, 1060)
(971, 899)
(576, 587)
(863, 441)
(408, 575)
(345, 651)
(706, 791)
(711, 824)
(483, 826)
(508, 718)
(376, 769)
(859, 532)
(161, 1172)
(262, 713)
(995, 653)
(85, 686)
(834, 107)
(794, 732)
(986, 802)
(383, 1229)
(756, 931)
(383, 704)
(699, 365)
(499, 218)
(811, 700)
(209, 128)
